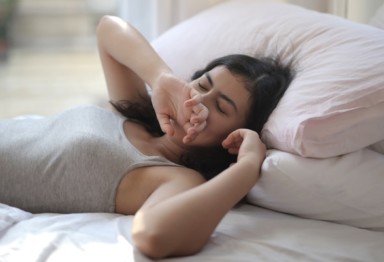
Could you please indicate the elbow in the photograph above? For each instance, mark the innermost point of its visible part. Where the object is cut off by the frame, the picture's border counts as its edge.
(157, 240)
(150, 244)
(156, 246)
(103, 20)
(111, 28)
(103, 24)
(110, 23)
(100, 29)
(147, 237)
(107, 24)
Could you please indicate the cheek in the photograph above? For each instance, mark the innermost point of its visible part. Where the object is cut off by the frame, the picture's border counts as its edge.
(217, 131)
(208, 137)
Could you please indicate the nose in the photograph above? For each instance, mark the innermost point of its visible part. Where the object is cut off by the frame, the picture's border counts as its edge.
(208, 98)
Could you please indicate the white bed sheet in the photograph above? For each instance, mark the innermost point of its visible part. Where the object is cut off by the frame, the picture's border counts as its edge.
(247, 233)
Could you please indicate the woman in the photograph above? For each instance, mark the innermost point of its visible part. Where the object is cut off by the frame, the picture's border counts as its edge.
(92, 160)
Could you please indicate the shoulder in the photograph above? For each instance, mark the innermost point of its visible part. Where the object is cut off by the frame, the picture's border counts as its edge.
(176, 175)
(149, 185)
(174, 180)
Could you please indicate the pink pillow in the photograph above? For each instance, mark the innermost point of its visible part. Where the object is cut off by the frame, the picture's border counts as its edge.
(335, 105)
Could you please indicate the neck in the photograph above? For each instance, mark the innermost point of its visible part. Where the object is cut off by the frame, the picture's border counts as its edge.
(168, 148)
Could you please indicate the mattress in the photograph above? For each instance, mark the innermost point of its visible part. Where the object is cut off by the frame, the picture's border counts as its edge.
(247, 233)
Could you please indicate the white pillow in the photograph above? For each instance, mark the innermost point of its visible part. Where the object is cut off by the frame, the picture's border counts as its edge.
(346, 189)
(334, 105)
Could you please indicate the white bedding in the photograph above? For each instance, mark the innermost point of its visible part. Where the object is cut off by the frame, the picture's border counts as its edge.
(247, 233)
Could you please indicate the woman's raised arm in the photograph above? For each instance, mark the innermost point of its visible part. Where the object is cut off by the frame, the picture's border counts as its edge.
(129, 62)
(127, 58)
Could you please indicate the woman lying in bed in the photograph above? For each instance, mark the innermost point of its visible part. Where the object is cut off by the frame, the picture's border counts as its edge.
(179, 184)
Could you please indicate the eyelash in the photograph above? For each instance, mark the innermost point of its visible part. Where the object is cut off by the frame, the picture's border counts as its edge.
(219, 109)
(202, 87)
(217, 103)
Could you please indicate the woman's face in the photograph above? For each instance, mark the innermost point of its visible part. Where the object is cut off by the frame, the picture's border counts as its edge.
(227, 99)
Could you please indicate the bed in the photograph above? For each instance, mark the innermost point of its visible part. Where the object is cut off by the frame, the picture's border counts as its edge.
(320, 196)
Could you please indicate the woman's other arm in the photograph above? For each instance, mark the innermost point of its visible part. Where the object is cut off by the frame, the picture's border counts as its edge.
(173, 223)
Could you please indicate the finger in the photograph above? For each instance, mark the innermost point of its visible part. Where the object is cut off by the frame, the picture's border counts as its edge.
(233, 144)
(233, 151)
(165, 124)
(196, 125)
(200, 114)
(188, 138)
(199, 127)
(233, 148)
(194, 100)
(232, 139)
(191, 133)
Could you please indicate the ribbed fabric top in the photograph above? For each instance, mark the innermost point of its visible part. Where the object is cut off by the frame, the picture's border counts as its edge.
(71, 162)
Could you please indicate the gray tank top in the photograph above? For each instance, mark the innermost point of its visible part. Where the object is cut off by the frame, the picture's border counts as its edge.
(71, 162)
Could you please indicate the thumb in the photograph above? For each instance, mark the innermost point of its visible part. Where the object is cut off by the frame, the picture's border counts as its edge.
(166, 124)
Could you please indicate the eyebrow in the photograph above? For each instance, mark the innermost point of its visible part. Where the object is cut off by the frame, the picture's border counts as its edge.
(222, 96)
(209, 78)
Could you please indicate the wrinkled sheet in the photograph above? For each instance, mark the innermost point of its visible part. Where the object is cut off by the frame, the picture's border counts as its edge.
(247, 233)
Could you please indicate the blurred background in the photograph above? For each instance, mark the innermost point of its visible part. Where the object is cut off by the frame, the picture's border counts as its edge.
(48, 55)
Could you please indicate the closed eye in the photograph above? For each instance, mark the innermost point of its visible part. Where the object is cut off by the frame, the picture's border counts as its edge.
(203, 88)
(219, 108)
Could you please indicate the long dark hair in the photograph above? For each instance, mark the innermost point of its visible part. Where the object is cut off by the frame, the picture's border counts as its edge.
(266, 79)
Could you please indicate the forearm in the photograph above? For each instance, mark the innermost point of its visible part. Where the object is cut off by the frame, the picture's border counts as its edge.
(187, 220)
(127, 46)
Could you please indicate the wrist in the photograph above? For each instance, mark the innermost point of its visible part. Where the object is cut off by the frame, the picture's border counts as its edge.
(251, 162)
(159, 77)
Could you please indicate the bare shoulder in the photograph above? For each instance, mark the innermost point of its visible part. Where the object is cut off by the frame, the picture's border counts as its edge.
(181, 174)
(173, 179)
(176, 180)
(149, 185)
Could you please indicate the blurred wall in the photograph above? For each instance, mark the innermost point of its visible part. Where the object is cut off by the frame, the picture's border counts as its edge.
(362, 10)
(166, 13)
(57, 23)
(71, 23)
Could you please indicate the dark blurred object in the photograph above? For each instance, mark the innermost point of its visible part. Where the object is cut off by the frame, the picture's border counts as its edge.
(7, 8)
